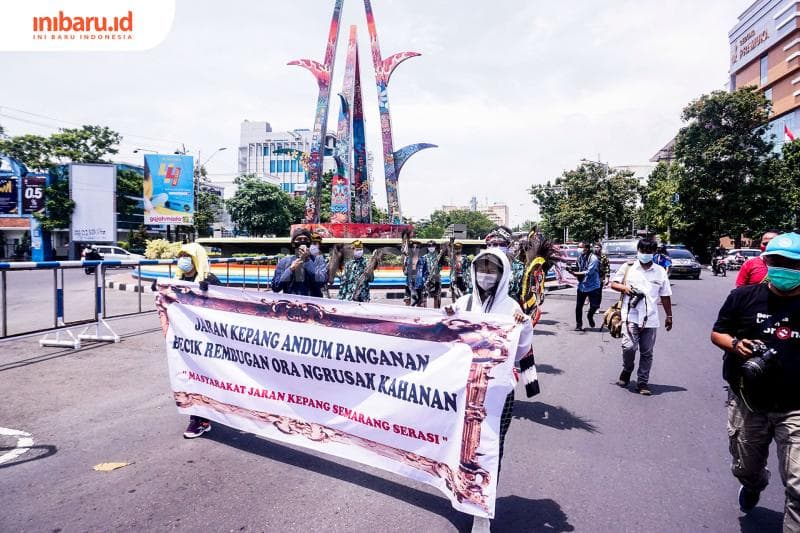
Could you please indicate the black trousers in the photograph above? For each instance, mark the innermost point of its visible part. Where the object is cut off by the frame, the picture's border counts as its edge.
(594, 297)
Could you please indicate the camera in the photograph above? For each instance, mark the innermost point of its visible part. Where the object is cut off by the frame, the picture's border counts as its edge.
(756, 366)
(636, 296)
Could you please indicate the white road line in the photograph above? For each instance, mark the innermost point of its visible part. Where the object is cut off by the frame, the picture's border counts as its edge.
(24, 444)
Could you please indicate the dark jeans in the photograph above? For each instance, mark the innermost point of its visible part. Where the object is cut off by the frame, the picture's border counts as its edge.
(594, 297)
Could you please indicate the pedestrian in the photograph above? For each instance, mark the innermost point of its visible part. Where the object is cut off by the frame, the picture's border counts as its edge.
(641, 282)
(433, 279)
(415, 269)
(754, 270)
(763, 393)
(319, 290)
(605, 265)
(491, 273)
(300, 273)
(589, 287)
(501, 237)
(662, 258)
(357, 276)
(463, 281)
(193, 266)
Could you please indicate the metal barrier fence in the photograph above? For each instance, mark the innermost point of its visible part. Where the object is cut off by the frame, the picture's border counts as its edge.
(99, 268)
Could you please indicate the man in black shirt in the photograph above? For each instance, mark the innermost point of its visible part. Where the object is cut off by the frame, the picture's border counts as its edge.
(764, 397)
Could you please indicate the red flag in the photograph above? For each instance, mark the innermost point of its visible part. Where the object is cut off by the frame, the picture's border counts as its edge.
(788, 136)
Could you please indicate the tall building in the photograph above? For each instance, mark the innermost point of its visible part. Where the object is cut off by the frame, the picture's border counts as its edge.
(257, 155)
(765, 52)
(497, 213)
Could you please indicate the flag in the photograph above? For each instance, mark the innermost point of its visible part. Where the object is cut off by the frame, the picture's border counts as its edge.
(788, 136)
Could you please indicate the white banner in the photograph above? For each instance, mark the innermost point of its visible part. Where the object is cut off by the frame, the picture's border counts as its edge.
(407, 390)
(93, 188)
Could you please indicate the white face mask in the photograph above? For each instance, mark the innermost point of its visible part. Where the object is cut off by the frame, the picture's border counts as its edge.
(485, 281)
(314, 250)
(358, 253)
(185, 264)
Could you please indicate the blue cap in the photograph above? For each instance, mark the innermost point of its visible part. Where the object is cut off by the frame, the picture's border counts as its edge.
(786, 245)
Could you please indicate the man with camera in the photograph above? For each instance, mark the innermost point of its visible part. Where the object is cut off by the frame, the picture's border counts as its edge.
(300, 273)
(758, 327)
(589, 286)
(642, 283)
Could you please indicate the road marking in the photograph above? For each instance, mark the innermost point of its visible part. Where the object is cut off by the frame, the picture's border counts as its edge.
(24, 444)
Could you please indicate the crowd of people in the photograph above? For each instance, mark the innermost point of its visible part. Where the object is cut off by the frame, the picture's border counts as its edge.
(757, 326)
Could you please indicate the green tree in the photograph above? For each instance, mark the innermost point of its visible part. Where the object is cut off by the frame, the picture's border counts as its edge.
(587, 198)
(33, 150)
(58, 206)
(724, 160)
(662, 207)
(129, 186)
(87, 144)
(262, 208)
(478, 224)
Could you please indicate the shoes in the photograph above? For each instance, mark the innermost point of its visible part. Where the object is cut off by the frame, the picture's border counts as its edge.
(197, 426)
(643, 389)
(481, 525)
(624, 378)
(748, 499)
(591, 321)
(578, 328)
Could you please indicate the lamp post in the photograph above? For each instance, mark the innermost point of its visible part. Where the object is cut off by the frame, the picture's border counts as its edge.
(198, 173)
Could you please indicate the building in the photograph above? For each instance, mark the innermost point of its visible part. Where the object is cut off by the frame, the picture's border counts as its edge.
(765, 52)
(260, 154)
(497, 213)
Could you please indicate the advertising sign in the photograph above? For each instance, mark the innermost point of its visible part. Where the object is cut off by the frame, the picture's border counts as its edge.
(33, 194)
(168, 189)
(8, 196)
(93, 189)
(410, 391)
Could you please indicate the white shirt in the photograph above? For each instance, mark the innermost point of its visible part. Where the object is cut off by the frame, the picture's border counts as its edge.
(654, 283)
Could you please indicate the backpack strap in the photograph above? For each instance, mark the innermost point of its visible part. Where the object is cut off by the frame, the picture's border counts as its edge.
(629, 264)
(469, 303)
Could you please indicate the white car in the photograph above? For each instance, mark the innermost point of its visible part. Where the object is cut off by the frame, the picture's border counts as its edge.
(112, 253)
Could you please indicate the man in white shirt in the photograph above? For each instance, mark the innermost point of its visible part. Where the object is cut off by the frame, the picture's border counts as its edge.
(643, 285)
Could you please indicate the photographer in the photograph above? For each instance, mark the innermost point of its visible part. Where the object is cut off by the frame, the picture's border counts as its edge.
(300, 273)
(589, 286)
(642, 283)
(758, 328)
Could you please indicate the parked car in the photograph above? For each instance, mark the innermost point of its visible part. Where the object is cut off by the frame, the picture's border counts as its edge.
(684, 264)
(735, 258)
(571, 254)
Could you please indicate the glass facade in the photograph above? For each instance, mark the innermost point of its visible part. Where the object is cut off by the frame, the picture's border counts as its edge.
(764, 69)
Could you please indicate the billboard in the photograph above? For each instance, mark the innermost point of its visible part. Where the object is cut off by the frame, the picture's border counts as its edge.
(93, 188)
(33, 194)
(8, 196)
(168, 189)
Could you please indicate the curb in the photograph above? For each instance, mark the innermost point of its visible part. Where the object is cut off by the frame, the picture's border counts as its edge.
(128, 287)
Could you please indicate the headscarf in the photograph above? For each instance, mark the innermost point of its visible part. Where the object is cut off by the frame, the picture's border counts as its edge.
(199, 260)
(501, 303)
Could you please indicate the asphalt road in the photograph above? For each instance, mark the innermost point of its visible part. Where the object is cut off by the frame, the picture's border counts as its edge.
(585, 455)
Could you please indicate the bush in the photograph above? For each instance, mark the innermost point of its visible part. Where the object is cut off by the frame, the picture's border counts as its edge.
(124, 245)
(162, 249)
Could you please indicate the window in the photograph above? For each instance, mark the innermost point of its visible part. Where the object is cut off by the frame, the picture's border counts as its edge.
(272, 166)
(266, 150)
(294, 165)
(768, 94)
(280, 166)
(764, 69)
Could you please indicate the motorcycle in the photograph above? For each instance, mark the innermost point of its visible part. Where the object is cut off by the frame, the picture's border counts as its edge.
(718, 267)
(92, 255)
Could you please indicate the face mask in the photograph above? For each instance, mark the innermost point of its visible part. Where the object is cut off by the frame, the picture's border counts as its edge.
(485, 281)
(431, 249)
(358, 253)
(185, 264)
(314, 250)
(644, 258)
(784, 279)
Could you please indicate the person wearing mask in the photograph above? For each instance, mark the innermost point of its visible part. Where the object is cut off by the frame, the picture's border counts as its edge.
(501, 237)
(357, 276)
(320, 265)
(193, 266)
(605, 265)
(300, 273)
(462, 269)
(663, 259)
(757, 329)
(641, 283)
(415, 269)
(589, 286)
(433, 280)
(491, 273)
(754, 270)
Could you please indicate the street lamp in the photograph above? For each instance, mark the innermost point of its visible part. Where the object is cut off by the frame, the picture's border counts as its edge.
(607, 168)
(218, 150)
(137, 150)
